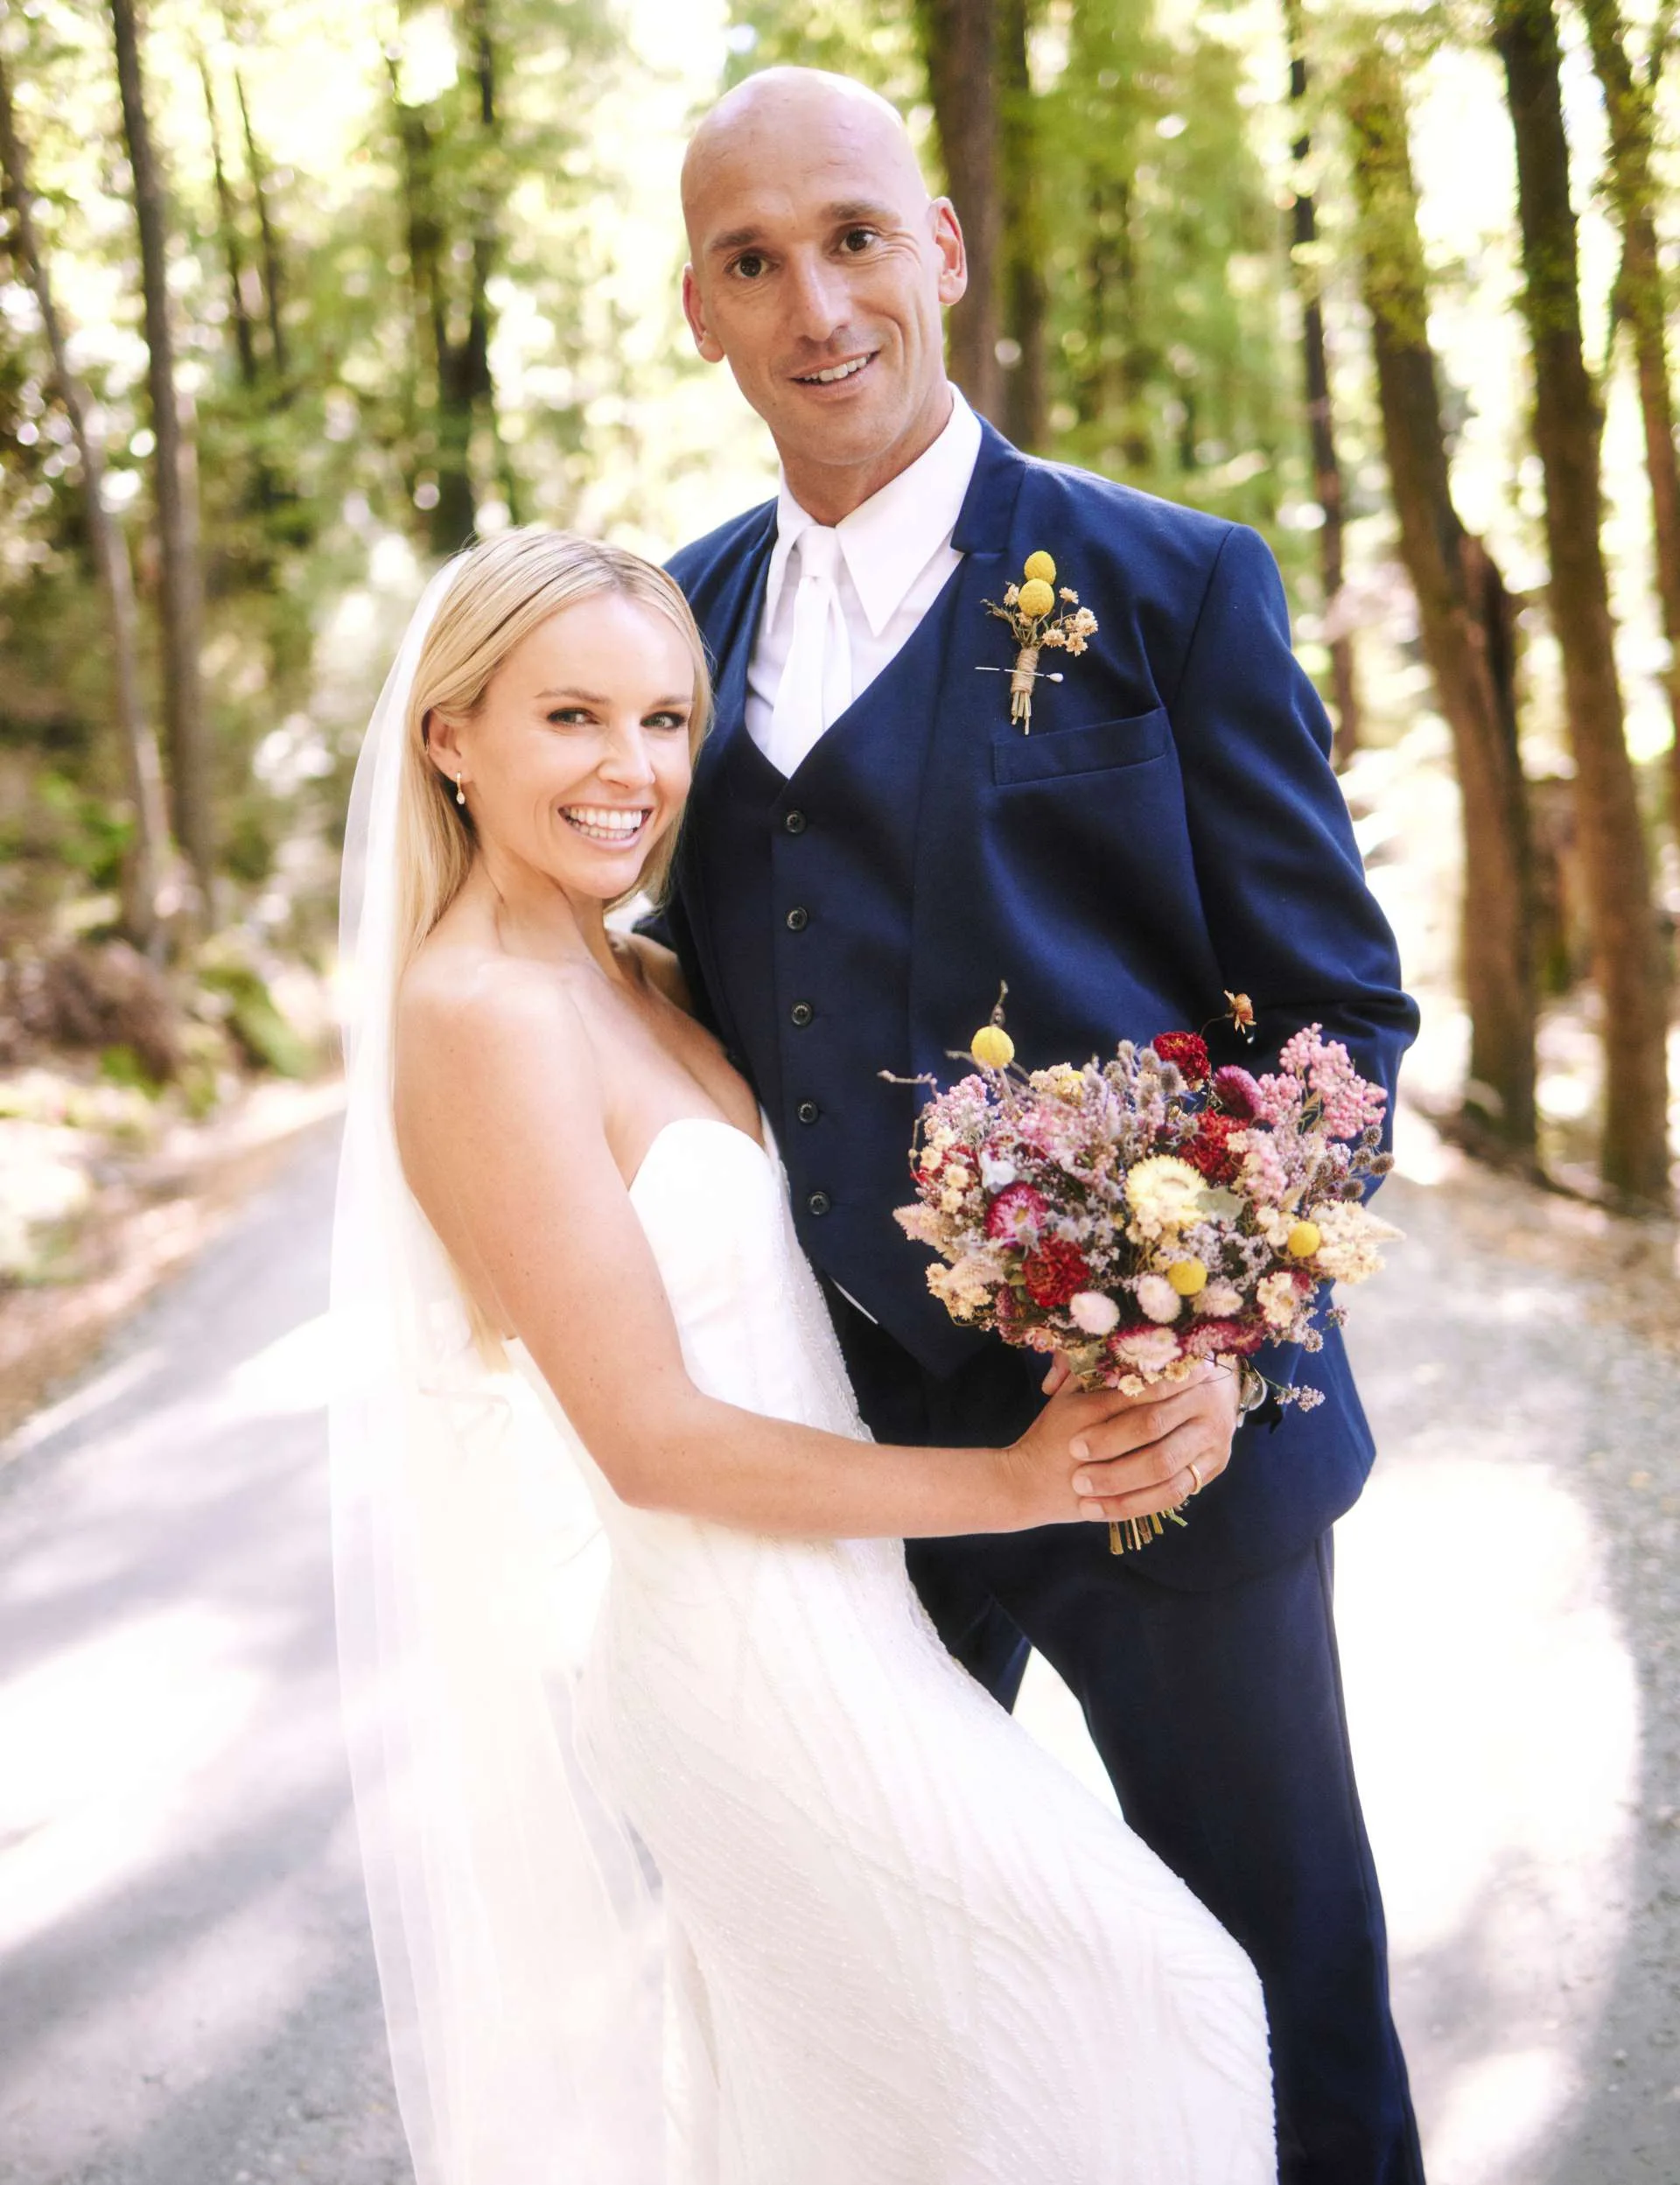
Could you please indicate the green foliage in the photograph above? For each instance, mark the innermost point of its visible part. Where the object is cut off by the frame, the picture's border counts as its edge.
(1168, 368)
(873, 40)
(265, 1037)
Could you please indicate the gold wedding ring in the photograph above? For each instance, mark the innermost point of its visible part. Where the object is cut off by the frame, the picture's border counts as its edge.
(1195, 1473)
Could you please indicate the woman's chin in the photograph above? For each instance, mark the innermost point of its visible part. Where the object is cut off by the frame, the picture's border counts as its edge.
(604, 877)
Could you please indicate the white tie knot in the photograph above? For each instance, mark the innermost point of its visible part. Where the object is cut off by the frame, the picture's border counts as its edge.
(818, 549)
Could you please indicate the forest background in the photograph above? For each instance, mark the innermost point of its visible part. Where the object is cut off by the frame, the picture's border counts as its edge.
(296, 294)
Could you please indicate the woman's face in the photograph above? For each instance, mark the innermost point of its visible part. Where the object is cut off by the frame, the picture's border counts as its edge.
(576, 761)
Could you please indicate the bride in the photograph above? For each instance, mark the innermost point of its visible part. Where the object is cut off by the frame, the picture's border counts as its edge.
(691, 1855)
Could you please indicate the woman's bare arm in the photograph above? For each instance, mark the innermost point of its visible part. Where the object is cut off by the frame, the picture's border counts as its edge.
(504, 1138)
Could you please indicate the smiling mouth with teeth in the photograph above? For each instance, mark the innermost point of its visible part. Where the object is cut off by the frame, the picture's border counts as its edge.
(606, 822)
(832, 375)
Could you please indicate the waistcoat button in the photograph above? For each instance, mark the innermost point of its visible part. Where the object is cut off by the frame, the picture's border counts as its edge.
(795, 822)
(798, 918)
(819, 1202)
(802, 1013)
(808, 1111)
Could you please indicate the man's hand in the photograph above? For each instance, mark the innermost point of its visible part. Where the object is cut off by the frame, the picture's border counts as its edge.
(1153, 1452)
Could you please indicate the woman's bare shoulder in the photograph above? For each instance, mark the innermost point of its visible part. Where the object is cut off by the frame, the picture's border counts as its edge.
(467, 1012)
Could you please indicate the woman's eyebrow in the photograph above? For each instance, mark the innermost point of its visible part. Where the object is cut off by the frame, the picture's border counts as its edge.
(597, 697)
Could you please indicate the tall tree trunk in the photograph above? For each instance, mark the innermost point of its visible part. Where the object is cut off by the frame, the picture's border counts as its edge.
(1465, 620)
(1641, 302)
(233, 251)
(1026, 302)
(1119, 362)
(1327, 470)
(1628, 955)
(256, 167)
(424, 240)
(147, 870)
(960, 42)
(176, 482)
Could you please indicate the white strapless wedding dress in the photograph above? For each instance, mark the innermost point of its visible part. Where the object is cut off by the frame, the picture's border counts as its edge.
(905, 1946)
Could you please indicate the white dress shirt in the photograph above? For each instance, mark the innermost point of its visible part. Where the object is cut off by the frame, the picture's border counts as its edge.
(895, 557)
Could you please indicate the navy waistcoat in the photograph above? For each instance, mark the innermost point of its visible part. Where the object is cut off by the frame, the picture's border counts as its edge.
(806, 879)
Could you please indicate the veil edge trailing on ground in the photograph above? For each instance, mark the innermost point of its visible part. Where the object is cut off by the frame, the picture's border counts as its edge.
(519, 1949)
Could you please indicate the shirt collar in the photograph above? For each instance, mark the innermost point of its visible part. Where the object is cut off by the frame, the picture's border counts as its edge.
(889, 539)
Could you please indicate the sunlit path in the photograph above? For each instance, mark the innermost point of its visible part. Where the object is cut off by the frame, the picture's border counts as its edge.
(186, 1993)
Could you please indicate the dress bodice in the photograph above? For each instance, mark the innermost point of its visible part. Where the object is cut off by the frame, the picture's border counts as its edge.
(713, 1204)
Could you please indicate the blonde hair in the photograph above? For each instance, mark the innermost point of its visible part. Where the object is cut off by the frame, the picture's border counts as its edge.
(503, 588)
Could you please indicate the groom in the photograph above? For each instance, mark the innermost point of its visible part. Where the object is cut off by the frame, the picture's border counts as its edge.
(872, 846)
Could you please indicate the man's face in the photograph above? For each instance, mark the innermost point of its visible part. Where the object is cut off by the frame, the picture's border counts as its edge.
(819, 270)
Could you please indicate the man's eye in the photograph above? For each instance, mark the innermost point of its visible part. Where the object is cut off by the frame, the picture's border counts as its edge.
(749, 265)
(857, 240)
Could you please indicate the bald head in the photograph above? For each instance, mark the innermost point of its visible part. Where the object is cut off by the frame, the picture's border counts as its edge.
(798, 115)
(820, 268)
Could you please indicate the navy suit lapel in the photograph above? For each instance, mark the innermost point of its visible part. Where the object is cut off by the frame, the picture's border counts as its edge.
(968, 703)
(731, 625)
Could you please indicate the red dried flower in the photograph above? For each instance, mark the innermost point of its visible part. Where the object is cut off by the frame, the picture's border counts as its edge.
(1209, 1150)
(1237, 1092)
(1055, 1273)
(1212, 1339)
(1016, 1215)
(1188, 1050)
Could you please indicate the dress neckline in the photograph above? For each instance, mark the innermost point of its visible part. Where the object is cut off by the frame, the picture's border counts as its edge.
(681, 1122)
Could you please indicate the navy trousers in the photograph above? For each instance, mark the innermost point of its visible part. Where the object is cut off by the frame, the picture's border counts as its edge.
(1219, 1717)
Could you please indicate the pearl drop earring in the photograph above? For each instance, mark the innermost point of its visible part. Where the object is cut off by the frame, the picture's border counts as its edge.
(460, 794)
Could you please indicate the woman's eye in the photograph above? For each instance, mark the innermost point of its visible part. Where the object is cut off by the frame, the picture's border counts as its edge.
(569, 715)
(666, 720)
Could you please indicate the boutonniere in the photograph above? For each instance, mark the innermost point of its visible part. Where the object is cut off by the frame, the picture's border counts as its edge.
(1030, 610)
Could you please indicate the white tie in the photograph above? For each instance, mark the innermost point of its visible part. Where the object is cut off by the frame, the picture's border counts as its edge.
(816, 687)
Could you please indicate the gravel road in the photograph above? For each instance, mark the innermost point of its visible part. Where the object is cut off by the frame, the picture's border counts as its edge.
(187, 1993)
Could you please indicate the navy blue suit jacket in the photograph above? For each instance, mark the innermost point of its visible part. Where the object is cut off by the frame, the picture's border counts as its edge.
(1170, 828)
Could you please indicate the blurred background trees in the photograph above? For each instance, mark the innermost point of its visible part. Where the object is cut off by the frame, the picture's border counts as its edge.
(294, 295)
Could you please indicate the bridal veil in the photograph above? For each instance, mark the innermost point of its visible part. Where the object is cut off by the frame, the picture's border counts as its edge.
(518, 1940)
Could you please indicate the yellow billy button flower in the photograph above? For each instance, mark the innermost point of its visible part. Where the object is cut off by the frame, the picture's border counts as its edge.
(1305, 1239)
(1041, 567)
(992, 1046)
(1036, 599)
(1188, 1276)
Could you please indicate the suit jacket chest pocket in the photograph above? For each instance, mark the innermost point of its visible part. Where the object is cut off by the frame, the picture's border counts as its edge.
(1047, 754)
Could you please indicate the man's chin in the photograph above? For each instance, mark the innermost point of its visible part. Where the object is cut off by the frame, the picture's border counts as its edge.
(842, 435)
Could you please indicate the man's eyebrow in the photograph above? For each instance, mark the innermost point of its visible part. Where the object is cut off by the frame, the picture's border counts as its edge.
(860, 208)
(735, 239)
(838, 215)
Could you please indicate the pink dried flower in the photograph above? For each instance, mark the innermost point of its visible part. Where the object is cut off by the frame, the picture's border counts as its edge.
(1263, 1175)
(1350, 1102)
(1150, 1350)
(1214, 1339)
(1016, 1215)
(1237, 1092)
